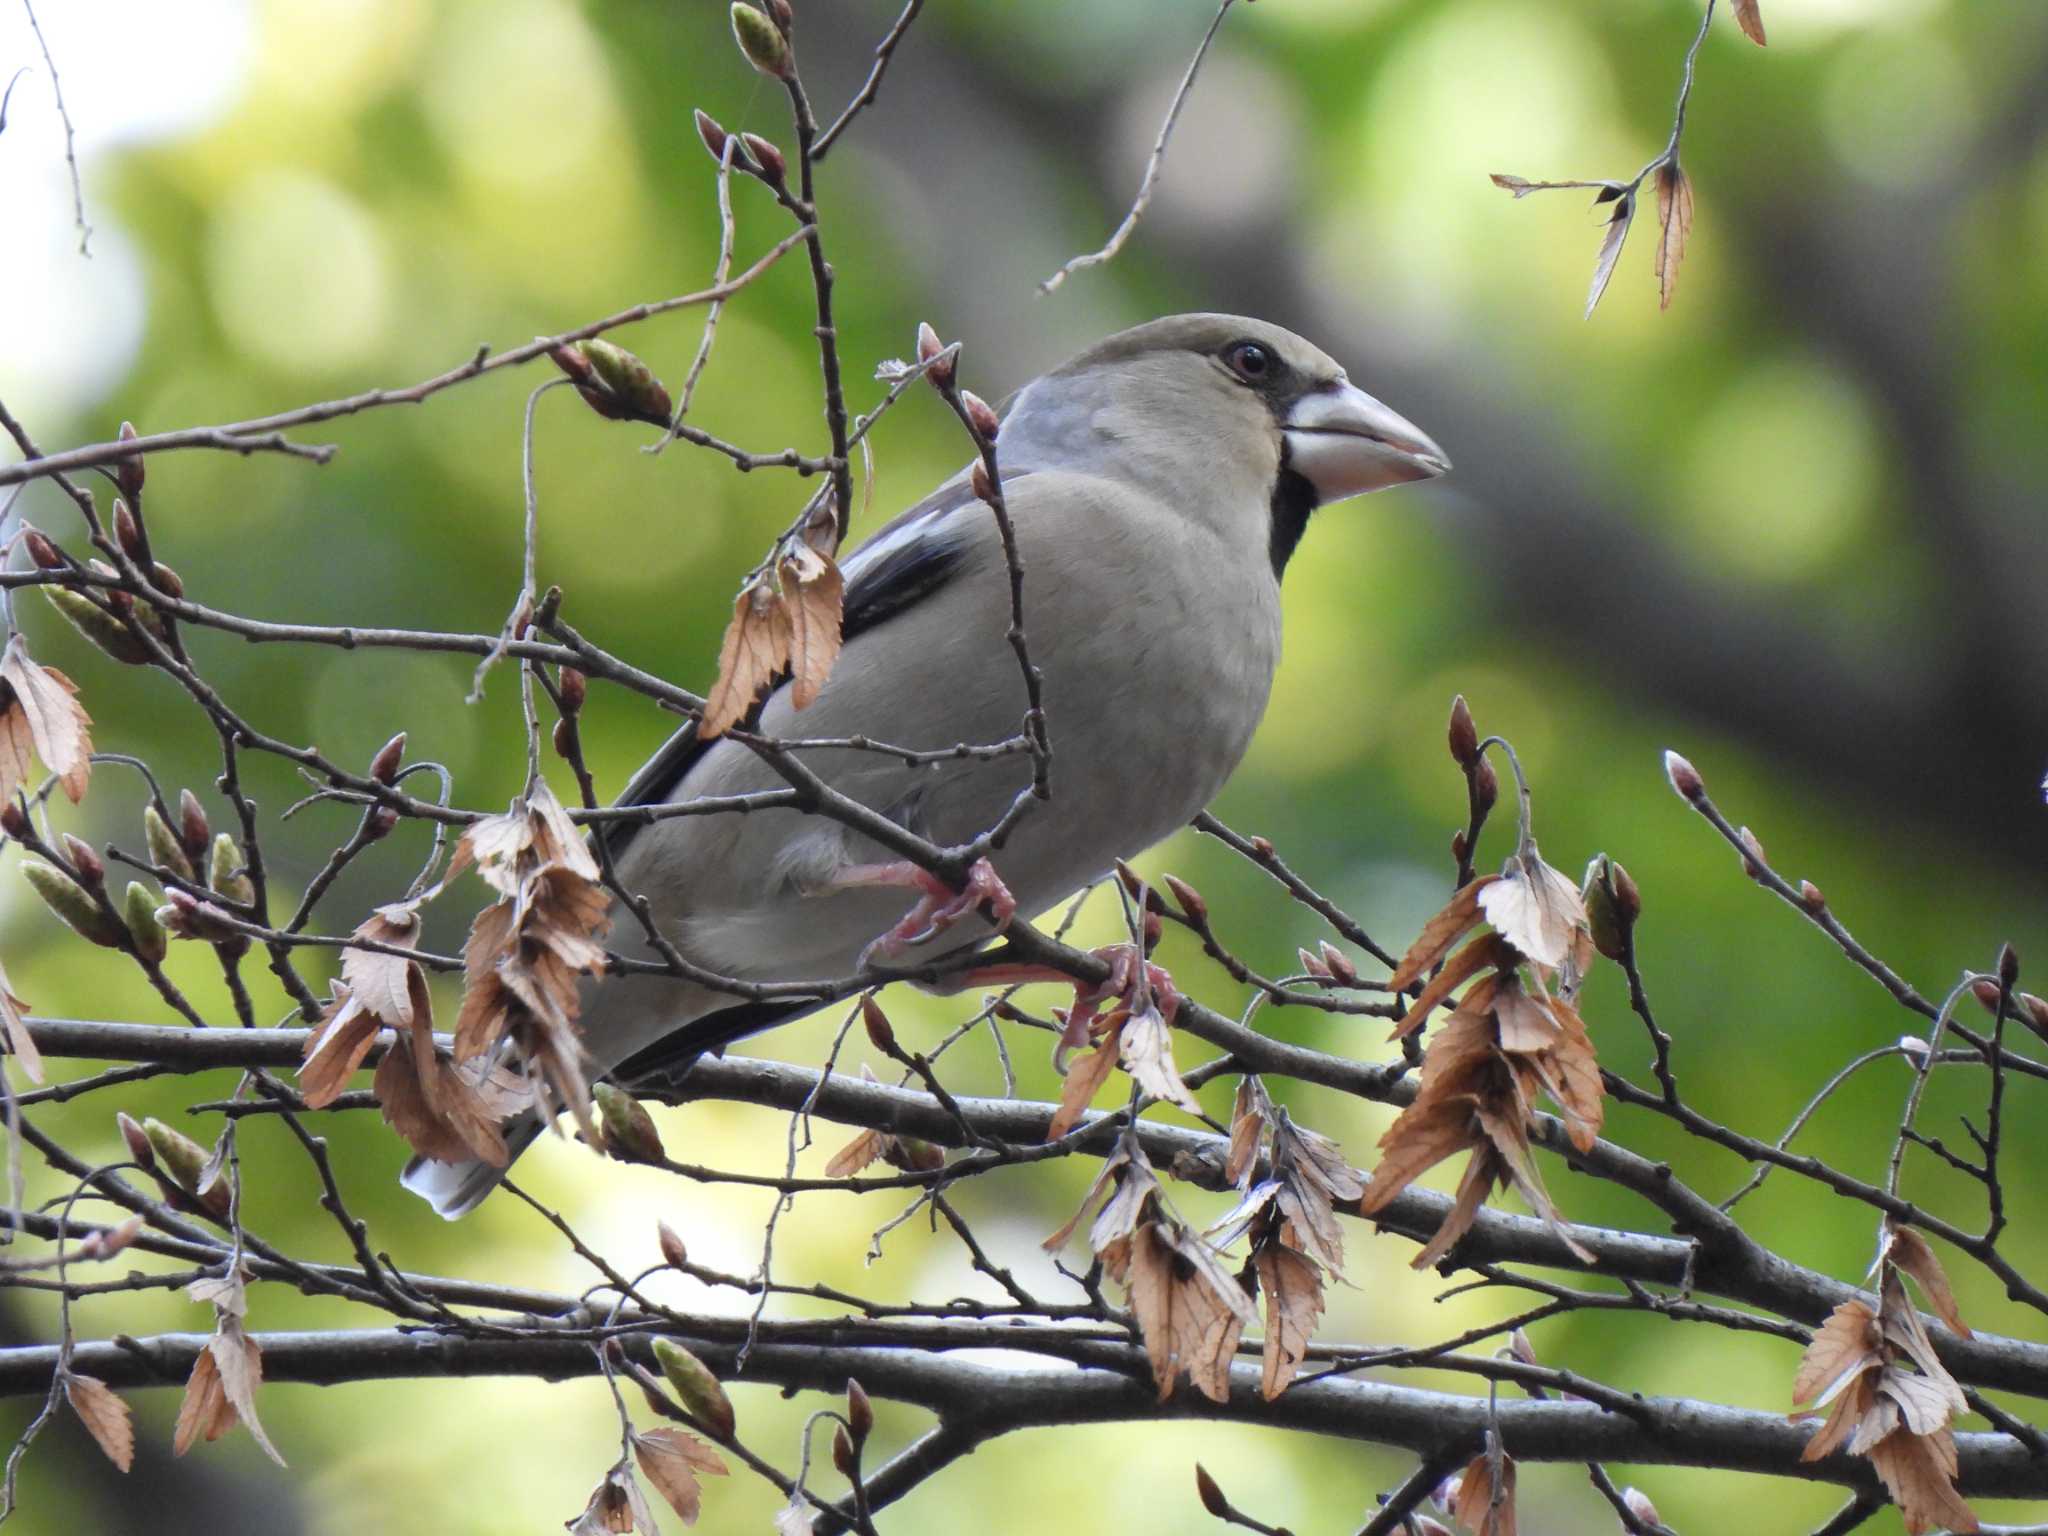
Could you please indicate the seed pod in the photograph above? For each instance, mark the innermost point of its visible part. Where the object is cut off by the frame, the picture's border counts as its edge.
(629, 1131)
(71, 902)
(85, 862)
(130, 474)
(227, 873)
(109, 634)
(761, 41)
(694, 1385)
(138, 910)
(192, 828)
(384, 766)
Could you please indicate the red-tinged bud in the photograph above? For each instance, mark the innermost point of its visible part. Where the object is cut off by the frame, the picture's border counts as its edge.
(1312, 964)
(1190, 899)
(1753, 861)
(940, 372)
(1210, 1494)
(1127, 877)
(1262, 846)
(980, 416)
(86, 863)
(860, 1413)
(843, 1457)
(1459, 846)
(193, 830)
(14, 820)
(186, 917)
(630, 1134)
(44, 551)
(104, 1245)
(1484, 786)
(379, 823)
(574, 688)
(1626, 896)
(627, 382)
(672, 1250)
(168, 581)
(564, 736)
(880, 1032)
(573, 363)
(384, 766)
(130, 474)
(1684, 778)
(1339, 964)
(123, 604)
(1464, 735)
(137, 1139)
(127, 530)
(913, 1156)
(1986, 991)
(2008, 966)
(1640, 1506)
(980, 483)
(2034, 1013)
(1810, 895)
(713, 133)
(1520, 1348)
(1155, 929)
(780, 13)
(614, 1354)
(763, 43)
(769, 164)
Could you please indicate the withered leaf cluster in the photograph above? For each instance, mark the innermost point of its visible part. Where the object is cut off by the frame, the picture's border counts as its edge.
(1514, 1033)
(670, 1459)
(527, 951)
(1887, 1395)
(785, 621)
(906, 1153)
(1137, 1036)
(1481, 1497)
(40, 717)
(221, 1391)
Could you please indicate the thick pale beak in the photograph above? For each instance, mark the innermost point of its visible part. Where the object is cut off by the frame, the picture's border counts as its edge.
(1345, 443)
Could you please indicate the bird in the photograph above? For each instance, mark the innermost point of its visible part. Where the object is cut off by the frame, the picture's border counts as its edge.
(1158, 484)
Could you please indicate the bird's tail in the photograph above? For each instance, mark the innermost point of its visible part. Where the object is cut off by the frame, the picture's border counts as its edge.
(456, 1189)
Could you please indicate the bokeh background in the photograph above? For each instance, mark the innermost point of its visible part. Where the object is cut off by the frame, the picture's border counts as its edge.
(1792, 527)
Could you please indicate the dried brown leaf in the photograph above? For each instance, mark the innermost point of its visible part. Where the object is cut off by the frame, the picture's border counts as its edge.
(1902, 1328)
(1459, 969)
(240, 1365)
(1247, 1129)
(1535, 908)
(1439, 934)
(336, 1049)
(856, 1154)
(670, 1459)
(1147, 1054)
(104, 1415)
(812, 591)
(204, 1413)
(1751, 20)
(1610, 251)
(56, 722)
(1190, 1310)
(753, 654)
(1919, 1472)
(1848, 1412)
(1525, 1023)
(1674, 221)
(1084, 1078)
(1483, 1172)
(1423, 1136)
(1912, 1253)
(1476, 1507)
(1294, 1303)
(1843, 1348)
(14, 1029)
(380, 981)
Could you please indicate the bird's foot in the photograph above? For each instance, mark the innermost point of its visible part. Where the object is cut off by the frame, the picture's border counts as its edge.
(938, 905)
(1133, 981)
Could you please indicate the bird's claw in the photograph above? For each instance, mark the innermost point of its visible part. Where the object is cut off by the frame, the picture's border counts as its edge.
(939, 907)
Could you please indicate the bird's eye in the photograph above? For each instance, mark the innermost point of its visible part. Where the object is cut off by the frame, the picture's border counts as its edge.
(1248, 360)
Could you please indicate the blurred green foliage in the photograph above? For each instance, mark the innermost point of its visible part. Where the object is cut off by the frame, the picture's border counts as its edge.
(392, 183)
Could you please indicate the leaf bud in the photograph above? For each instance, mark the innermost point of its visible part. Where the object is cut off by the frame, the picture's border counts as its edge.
(168, 581)
(761, 41)
(1684, 778)
(186, 917)
(1211, 1495)
(564, 738)
(138, 910)
(768, 160)
(574, 688)
(629, 381)
(980, 483)
(1312, 964)
(1609, 917)
(43, 550)
(379, 822)
(162, 842)
(713, 133)
(108, 634)
(14, 820)
(73, 904)
(843, 1457)
(182, 1159)
(138, 1141)
(1190, 899)
(192, 828)
(1459, 846)
(1262, 846)
(1484, 786)
(1639, 1505)
(1987, 992)
(938, 370)
(1809, 893)
(980, 416)
(860, 1413)
(384, 766)
(694, 1385)
(1155, 930)
(1753, 860)
(1339, 964)
(130, 474)
(880, 1033)
(86, 863)
(2008, 966)
(1464, 735)
(629, 1131)
(780, 12)
(227, 873)
(912, 1155)
(127, 530)
(672, 1249)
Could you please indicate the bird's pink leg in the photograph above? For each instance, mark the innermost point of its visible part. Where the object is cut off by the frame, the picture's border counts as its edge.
(938, 905)
(1121, 984)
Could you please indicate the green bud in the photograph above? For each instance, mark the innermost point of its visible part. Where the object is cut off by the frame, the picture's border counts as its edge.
(105, 631)
(162, 842)
(225, 873)
(630, 381)
(694, 1385)
(138, 909)
(1610, 914)
(761, 41)
(184, 1162)
(70, 901)
(629, 1133)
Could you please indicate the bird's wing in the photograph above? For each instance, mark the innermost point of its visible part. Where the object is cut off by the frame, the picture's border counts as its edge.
(906, 561)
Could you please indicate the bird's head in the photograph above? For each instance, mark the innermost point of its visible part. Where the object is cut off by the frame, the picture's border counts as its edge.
(1223, 412)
